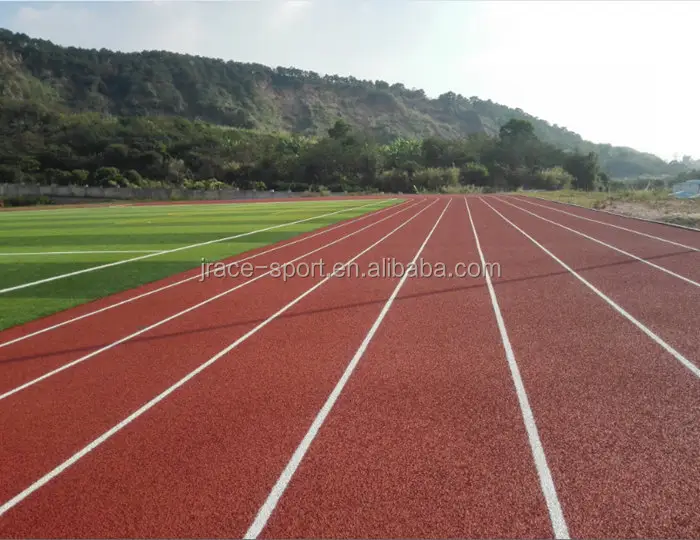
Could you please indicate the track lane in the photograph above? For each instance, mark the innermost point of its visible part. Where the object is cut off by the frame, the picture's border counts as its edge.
(618, 416)
(676, 234)
(663, 303)
(683, 261)
(24, 361)
(66, 411)
(427, 439)
(180, 469)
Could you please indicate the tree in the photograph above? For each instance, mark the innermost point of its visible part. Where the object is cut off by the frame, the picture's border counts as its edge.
(402, 152)
(339, 130)
(108, 177)
(517, 129)
(474, 174)
(434, 151)
(584, 169)
(10, 174)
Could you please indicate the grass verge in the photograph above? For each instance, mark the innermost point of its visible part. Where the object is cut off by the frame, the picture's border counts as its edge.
(657, 205)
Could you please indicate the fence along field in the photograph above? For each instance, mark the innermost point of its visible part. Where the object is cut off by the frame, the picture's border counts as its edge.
(56, 259)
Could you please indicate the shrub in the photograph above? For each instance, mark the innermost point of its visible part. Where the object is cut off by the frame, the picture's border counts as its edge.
(109, 177)
(133, 178)
(395, 180)
(474, 174)
(554, 178)
(213, 184)
(462, 189)
(27, 200)
(433, 179)
(79, 177)
(57, 177)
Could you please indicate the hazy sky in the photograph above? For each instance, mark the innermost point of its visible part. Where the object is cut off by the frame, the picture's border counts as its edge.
(619, 72)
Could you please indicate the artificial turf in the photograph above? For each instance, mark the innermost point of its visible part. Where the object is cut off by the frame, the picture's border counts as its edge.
(27, 236)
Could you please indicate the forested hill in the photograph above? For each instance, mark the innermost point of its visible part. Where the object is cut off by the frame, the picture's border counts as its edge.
(259, 97)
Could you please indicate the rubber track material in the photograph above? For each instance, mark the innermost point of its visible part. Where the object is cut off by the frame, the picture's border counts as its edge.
(676, 234)
(25, 360)
(665, 304)
(617, 415)
(226, 432)
(426, 438)
(418, 442)
(677, 259)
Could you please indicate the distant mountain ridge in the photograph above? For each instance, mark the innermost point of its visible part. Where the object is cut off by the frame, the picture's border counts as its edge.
(259, 97)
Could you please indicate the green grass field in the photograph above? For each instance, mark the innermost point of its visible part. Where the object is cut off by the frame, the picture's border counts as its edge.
(31, 242)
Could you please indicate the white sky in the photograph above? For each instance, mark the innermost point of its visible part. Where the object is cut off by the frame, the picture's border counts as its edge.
(625, 72)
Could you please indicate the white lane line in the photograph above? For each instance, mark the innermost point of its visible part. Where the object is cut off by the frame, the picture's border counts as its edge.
(91, 252)
(592, 239)
(619, 215)
(556, 515)
(524, 199)
(174, 250)
(280, 486)
(673, 352)
(188, 310)
(160, 397)
(403, 207)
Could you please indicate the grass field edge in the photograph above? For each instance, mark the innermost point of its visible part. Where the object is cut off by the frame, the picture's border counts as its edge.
(183, 274)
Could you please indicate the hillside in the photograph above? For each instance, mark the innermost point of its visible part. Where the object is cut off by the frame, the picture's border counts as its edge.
(255, 96)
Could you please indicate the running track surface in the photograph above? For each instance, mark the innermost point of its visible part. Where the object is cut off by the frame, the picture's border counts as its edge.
(559, 399)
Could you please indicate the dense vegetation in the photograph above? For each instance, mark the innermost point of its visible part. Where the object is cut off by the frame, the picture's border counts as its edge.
(72, 115)
(38, 145)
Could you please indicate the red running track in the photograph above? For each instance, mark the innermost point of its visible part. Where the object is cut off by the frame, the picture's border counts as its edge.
(384, 407)
(25, 360)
